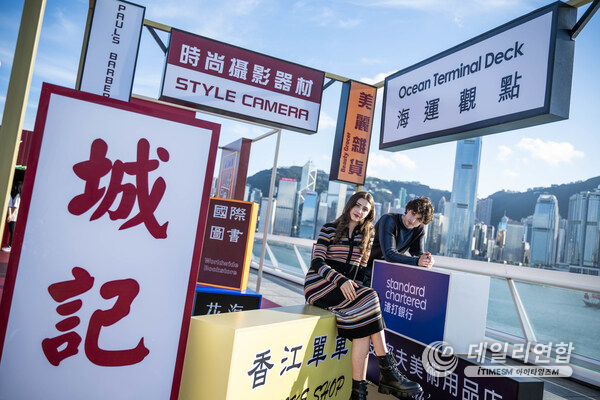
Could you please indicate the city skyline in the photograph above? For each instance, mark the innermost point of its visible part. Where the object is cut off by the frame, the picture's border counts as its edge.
(318, 34)
(541, 239)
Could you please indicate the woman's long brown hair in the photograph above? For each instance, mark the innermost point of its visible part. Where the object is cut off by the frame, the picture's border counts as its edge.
(365, 227)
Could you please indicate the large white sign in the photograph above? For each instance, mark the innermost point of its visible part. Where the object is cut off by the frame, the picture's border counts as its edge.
(230, 80)
(112, 49)
(103, 280)
(505, 76)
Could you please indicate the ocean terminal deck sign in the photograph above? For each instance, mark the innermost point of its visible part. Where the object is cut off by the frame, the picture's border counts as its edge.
(233, 81)
(514, 76)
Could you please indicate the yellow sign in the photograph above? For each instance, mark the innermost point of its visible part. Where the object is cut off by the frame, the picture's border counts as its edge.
(286, 353)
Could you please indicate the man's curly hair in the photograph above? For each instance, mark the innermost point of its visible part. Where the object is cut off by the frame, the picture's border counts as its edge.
(423, 206)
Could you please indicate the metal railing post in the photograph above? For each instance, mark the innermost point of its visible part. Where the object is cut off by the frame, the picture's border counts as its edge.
(268, 214)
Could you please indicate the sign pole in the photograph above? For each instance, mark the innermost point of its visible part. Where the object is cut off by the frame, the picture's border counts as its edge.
(17, 95)
(268, 216)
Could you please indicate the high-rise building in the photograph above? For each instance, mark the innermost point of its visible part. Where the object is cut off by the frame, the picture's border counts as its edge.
(513, 242)
(286, 206)
(483, 212)
(309, 215)
(378, 209)
(262, 219)
(480, 240)
(255, 195)
(528, 224)
(308, 182)
(308, 179)
(460, 211)
(321, 214)
(434, 234)
(402, 198)
(583, 229)
(542, 249)
(336, 199)
(441, 206)
(561, 241)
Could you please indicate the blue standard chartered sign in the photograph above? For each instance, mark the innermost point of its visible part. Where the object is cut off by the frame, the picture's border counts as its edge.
(514, 76)
(413, 300)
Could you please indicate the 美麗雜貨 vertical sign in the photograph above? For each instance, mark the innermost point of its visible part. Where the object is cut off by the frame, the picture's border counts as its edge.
(353, 133)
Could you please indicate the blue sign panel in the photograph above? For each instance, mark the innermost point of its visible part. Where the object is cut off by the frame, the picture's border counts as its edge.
(413, 300)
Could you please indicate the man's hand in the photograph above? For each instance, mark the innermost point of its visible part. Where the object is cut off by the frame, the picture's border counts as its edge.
(348, 289)
(426, 260)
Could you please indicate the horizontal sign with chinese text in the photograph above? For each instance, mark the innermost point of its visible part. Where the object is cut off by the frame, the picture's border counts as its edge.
(233, 81)
(514, 76)
(100, 284)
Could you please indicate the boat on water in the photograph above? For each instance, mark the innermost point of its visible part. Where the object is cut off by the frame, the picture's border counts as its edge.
(592, 300)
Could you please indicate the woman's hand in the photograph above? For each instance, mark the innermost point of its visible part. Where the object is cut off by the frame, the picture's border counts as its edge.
(426, 260)
(348, 289)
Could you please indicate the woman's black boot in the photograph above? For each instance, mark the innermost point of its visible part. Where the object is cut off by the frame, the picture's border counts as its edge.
(359, 390)
(391, 381)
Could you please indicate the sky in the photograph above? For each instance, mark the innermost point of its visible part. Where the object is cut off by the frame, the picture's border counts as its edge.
(358, 39)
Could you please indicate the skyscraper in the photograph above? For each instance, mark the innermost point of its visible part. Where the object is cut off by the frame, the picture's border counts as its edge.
(308, 182)
(513, 242)
(321, 214)
(402, 197)
(262, 219)
(434, 234)
(309, 215)
(583, 232)
(460, 211)
(286, 206)
(479, 240)
(483, 212)
(336, 199)
(544, 231)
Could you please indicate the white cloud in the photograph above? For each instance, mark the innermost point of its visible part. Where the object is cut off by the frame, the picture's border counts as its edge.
(371, 61)
(392, 166)
(503, 152)
(511, 174)
(377, 78)
(553, 153)
(326, 121)
(349, 23)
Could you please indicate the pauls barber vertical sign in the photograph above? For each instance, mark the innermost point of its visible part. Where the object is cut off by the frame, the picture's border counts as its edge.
(353, 133)
(112, 49)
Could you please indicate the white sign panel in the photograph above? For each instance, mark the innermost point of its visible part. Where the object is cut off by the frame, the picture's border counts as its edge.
(504, 77)
(233, 81)
(103, 280)
(112, 49)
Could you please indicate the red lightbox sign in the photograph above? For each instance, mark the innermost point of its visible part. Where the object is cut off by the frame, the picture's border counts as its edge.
(229, 80)
(100, 283)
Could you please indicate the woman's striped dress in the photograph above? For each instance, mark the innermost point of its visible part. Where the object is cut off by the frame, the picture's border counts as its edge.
(331, 266)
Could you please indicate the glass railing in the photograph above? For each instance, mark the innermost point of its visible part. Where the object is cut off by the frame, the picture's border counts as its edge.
(526, 305)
